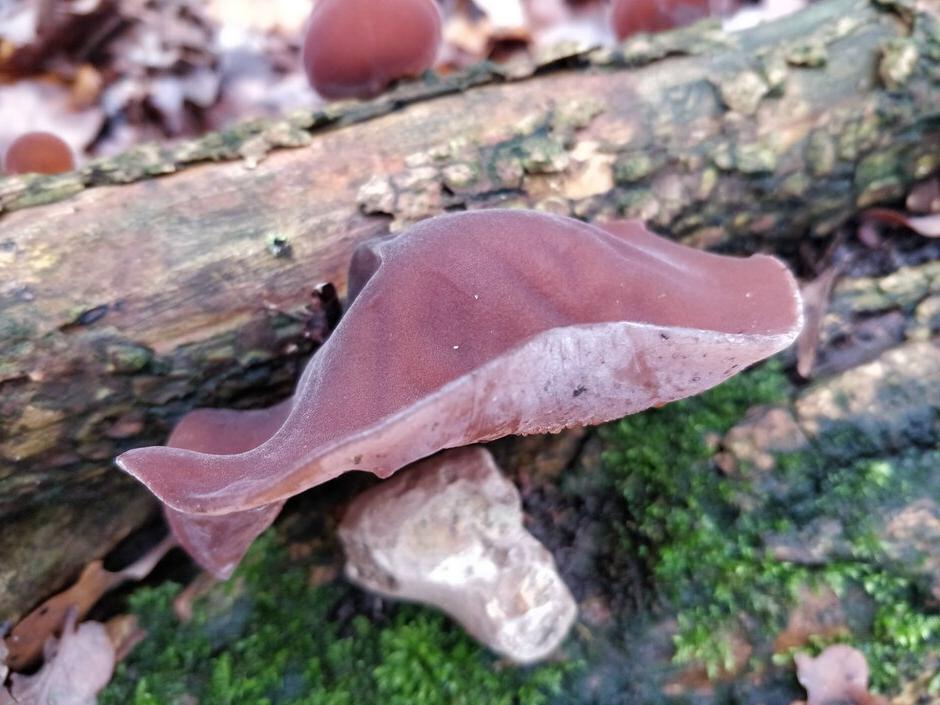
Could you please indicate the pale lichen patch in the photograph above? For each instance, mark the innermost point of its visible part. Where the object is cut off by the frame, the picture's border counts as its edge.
(810, 54)
(775, 72)
(755, 158)
(591, 173)
(820, 153)
(898, 61)
(460, 176)
(377, 195)
(633, 167)
(743, 92)
(877, 178)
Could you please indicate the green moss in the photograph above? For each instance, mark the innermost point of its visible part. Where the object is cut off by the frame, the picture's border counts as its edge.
(708, 557)
(900, 637)
(267, 638)
(634, 167)
(682, 522)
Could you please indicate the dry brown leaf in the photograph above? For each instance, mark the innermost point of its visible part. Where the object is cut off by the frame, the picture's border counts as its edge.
(584, 24)
(254, 86)
(816, 296)
(468, 35)
(86, 87)
(4, 670)
(18, 22)
(5, 697)
(29, 105)
(125, 633)
(504, 14)
(838, 675)
(478, 29)
(41, 35)
(26, 641)
(869, 236)
(322, 574)
(183, 603)
(77, 667)
(767, 11)
(163, 36)
(285, 16)
(164, 62)
(925, 197)
(927, 225)
(818, 613)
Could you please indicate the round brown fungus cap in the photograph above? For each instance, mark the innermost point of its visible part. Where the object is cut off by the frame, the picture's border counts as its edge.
(631, 17)
(356, 48)
(38, 153)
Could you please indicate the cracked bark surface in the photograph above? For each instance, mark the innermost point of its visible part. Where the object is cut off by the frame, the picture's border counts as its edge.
(171, 277)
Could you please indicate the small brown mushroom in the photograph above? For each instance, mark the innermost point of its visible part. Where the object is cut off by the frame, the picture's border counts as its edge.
(631, 17)
(467, 328)
(38, 153)
(356, 48)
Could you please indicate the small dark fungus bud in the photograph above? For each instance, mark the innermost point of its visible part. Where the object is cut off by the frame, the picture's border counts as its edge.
(631, 17)
(38, 153)
(356, 48)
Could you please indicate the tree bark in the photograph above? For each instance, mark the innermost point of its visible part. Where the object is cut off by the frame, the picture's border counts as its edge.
(127, 299)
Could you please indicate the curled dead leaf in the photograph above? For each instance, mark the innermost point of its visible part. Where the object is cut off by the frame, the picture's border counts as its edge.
(78, 666)
(868, 235)
(284, 16)
(183, 603)
(504, 15)
(926, 225)
(4, 670)
(125, 633)
(26, 641)
(816, 295)
(838, 675)
(924, 197)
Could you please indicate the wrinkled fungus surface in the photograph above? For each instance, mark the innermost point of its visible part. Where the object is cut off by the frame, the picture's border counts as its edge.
(356, 48)
(467, 328)
(38, 153)
(631, 17)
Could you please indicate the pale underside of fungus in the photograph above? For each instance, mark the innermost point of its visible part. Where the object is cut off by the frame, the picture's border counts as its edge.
(467, 328)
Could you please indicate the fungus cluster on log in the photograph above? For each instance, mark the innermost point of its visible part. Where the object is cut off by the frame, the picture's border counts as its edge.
(357, 48)
(466, 328)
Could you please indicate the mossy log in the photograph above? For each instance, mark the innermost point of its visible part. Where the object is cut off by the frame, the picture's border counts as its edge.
(175, 276)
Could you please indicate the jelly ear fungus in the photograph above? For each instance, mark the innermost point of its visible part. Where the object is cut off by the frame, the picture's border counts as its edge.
(356, 48)
(38, 153)
(630, 17)
(466, 328)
